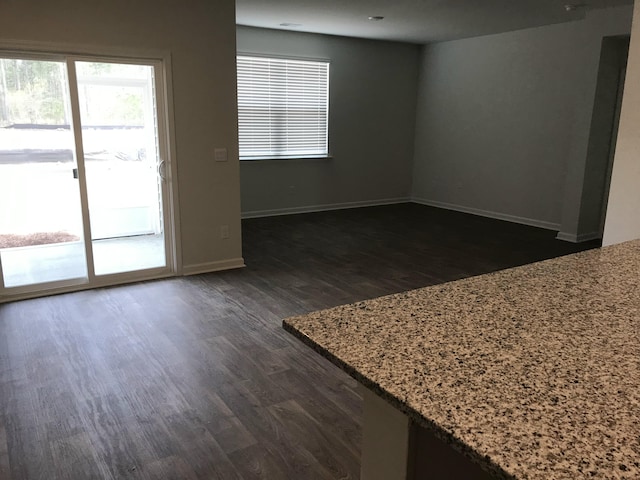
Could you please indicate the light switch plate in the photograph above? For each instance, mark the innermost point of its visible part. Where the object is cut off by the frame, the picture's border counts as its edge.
(220, 154)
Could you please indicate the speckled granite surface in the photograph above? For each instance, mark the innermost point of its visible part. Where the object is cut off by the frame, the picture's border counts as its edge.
(533, 372)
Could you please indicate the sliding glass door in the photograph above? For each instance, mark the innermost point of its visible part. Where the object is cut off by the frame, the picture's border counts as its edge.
(122, 164)
(83, 193)
(41, 234)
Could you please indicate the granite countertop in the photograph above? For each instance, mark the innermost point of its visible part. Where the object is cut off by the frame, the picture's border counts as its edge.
(532, 372)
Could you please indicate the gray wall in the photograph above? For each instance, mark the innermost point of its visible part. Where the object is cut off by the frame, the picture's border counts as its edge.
(503, 121)
(613, 59)
(201, 41)
(371, 126)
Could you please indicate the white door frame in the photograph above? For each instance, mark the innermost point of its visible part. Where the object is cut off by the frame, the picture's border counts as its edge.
(161, 62)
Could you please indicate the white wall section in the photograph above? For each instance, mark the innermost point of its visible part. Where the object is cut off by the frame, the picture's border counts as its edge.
(623, 213)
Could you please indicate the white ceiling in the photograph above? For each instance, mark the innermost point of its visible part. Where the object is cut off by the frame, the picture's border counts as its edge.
(414, 21)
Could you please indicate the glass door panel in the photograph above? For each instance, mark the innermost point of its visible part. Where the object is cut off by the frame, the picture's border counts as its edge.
(122, 163)
(41, 229)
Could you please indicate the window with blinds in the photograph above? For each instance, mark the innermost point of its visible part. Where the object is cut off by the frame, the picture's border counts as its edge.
(283, 108)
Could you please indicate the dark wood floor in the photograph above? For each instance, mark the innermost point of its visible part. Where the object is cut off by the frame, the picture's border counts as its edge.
(193, 378)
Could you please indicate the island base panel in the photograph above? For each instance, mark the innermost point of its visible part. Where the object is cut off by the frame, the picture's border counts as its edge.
(394, 447)
(385, 440)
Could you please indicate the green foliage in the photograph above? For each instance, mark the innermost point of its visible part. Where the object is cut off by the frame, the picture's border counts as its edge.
(32, 92)
(130, 108)
(36, 92)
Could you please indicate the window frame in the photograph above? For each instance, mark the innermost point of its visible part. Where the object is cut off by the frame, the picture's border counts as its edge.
(285, 156)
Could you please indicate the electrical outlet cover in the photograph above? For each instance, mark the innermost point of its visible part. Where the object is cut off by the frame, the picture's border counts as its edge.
(220, 154)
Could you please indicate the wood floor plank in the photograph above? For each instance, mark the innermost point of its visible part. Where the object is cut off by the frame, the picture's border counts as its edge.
(341, 418)
(194, 378)
(107, 426)
(5, 467)
(199, 448)
(74, 457)
(31, 456)
(256, 463)
(170, 468)
(328, 449)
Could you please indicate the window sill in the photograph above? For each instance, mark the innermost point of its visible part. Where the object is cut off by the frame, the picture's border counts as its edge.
(288, 157)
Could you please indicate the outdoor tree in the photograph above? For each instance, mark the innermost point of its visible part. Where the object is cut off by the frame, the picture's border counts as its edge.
(32, 92)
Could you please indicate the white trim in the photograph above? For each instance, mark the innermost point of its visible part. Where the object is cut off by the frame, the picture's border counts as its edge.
(168, 125)
(250, 159)
(208, 267)
(573, 238)
(249, 53)
(83, 196)
(77, 285)
(323, 208)
(488, 213)
(166, 156)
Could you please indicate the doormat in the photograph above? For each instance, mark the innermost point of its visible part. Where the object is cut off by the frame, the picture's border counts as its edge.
(40, 238)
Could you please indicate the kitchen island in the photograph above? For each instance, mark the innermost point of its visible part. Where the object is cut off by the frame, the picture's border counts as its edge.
(526, 373)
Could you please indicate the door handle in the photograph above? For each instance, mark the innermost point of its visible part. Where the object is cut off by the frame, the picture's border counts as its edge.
(162, 170)
(75, 173)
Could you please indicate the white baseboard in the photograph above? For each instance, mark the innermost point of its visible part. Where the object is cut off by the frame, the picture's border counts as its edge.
(323, 208)
(487, 213)
(573, 238)
(213, 266)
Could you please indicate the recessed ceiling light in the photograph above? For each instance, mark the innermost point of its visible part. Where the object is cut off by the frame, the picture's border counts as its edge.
(376, 18)
(571, 7)
(291, 25)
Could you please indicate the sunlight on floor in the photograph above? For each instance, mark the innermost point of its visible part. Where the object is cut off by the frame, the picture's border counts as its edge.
(64, 261)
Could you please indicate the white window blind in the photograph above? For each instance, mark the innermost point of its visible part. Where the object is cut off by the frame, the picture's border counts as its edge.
(282, 107)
